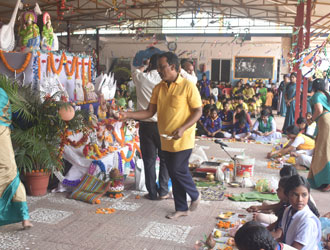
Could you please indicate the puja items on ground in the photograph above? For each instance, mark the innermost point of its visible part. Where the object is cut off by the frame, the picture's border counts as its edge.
(116, 184)
(222, 236)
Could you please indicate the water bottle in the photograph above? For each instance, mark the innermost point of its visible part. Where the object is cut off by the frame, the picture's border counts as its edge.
(227, 175)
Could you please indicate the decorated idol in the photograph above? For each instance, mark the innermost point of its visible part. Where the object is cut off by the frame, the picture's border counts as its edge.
(47, 33)
(29, 33)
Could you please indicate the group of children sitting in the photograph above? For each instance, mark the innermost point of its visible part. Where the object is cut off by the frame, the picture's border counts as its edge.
(228, 123)
(294, 220)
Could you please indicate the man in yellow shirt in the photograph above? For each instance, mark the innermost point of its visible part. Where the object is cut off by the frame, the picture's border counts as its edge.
(178, 105)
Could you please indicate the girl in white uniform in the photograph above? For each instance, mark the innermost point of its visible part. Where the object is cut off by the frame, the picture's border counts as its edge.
(300, 226)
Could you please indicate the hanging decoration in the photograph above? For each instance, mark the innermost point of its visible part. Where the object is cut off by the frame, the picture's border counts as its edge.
(19, 70)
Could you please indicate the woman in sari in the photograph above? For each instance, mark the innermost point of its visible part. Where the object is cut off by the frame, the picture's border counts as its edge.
(319, 172)
(13, 206)
(290, 101)
(282, 104)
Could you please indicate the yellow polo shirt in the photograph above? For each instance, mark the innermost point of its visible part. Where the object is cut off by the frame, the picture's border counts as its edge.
(174, 106)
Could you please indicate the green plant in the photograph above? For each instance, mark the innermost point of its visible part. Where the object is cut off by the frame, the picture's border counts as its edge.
(37, 126)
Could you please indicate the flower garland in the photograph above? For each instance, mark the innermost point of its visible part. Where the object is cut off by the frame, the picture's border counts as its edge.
(77, 69)
(120, 140)
(52, 63)
(100, 164)
(39, 66)
(19, 70)
(68, 72)
(90, 70)
(83, 73)
(79, 143)
(120, 163)
(130, 156)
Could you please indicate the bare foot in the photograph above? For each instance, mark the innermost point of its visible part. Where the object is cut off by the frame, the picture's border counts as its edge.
(194, 204)
(177, 214)
(27, 224)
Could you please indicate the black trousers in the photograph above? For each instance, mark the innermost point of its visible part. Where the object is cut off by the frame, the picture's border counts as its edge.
(182, 182)
(150, 148)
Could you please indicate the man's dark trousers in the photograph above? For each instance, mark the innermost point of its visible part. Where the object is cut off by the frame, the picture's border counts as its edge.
(151, 147)
(178, 167)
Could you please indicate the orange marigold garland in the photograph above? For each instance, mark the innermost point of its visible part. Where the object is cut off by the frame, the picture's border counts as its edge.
(122, 139)
(73, 67)
(90, 70)
(19, 70)
(59, 69)
(77, 69)
(83, 72)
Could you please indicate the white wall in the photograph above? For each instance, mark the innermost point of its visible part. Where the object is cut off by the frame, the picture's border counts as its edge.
(203, 48)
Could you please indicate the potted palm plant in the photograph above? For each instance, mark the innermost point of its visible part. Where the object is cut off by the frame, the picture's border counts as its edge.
(37, 126)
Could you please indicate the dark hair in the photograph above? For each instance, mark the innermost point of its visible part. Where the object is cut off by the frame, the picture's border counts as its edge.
(207, 107)
(264, 112)
(293, 74)
(240, 106)
(172, 59)
(213, 109)
(296, 181)
(241, 121)
(203, 75)
(252, 236)
(319, 85)
(153, 62)
(288, 170)
(251, 100)
(301, 120)
(293, 130)
(240, 98)
(282, 182)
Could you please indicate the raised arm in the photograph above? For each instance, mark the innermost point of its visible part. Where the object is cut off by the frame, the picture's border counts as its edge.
(139, 115)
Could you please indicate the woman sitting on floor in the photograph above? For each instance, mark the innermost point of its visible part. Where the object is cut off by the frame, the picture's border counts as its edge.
(299, 146)
(264, 128)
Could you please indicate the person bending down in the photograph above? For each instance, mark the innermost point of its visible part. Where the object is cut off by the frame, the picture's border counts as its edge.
(299, 146)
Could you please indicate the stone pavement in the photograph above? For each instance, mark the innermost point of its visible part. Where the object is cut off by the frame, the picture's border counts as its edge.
(61, 223)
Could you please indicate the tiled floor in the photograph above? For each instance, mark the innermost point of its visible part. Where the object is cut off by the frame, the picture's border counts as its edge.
(60, 223)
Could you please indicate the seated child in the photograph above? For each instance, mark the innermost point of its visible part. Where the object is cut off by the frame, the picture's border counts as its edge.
(240, 112)
(213, 124)
(226, 116)
(254, 236)
(305, 127)
(258, 102)
(241, 130)
(264, 129)
(299, 146)
(201, 122)
(300, 226)
(278, 208)
(240, 100)
(252, 107)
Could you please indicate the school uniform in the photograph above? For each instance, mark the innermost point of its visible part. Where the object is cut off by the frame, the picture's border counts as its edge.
(241, 132)
(303, 227)
(213, 125)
